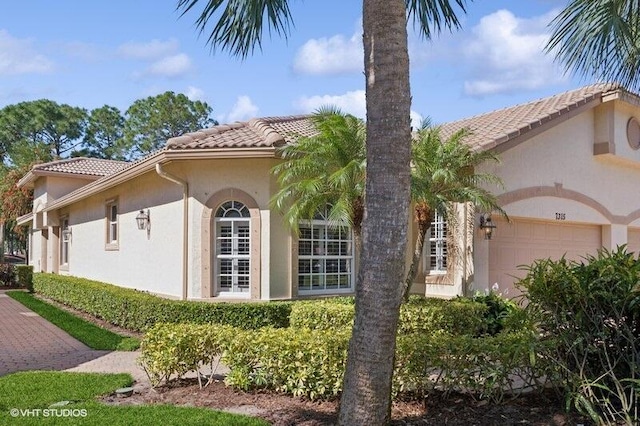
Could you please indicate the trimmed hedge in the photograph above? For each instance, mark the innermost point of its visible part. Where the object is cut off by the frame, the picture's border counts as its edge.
(419, 315)
(24, 276)
(311, 363)
(136, 310)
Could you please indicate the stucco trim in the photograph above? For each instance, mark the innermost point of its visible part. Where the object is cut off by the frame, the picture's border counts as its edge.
(208, 239)
(559, 192)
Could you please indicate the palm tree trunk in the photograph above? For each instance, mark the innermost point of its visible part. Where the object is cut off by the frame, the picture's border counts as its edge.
(366, 397)
(422, 216)
(423, 227)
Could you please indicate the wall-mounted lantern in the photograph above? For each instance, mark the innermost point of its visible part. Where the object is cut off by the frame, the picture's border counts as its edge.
(487, 226)
(143, 219)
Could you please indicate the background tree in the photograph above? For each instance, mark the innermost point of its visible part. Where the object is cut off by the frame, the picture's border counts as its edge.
(325, 170)
(238, 27)
(442, 173)
(39, 131)
(153, 120)
(599, 38)
(14, 202)
(104, 137)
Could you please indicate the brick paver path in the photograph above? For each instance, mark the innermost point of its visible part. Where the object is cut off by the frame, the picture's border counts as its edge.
(29, 342)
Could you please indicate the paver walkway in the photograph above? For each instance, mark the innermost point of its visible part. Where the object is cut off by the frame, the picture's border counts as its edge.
(29, 342)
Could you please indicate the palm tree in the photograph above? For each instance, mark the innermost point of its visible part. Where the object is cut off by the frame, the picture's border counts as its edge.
(599, 38)
(442, 173)
(238, 27)
(325, 170)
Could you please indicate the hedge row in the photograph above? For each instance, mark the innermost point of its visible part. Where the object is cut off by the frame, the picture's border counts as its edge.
(311, 363)
(419, 315)
(136, 310)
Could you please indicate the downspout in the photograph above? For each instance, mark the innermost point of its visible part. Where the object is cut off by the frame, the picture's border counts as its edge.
(185, 225)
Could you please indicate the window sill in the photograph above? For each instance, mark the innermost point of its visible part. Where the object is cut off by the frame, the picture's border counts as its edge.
(112, 247)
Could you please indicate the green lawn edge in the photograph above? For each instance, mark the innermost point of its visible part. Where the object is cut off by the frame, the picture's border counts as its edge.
(88, 333)
(26, 398)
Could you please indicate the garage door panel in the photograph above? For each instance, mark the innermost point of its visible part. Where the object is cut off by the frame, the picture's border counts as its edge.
(522, 242)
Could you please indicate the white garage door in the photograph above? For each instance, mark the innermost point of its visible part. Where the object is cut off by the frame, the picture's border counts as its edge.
(523, 241)
(633, 244)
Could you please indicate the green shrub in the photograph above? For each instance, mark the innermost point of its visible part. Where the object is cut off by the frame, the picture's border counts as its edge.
(136, 310)
(419, 315)
(311, 363)
(500, 312)
(24, 276)
(300, 362)
(7, 275)
(488, 367)
(589, 312)
(171, 350)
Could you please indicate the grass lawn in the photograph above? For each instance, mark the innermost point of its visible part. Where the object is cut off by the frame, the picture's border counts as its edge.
(23, 393)
(88, 333)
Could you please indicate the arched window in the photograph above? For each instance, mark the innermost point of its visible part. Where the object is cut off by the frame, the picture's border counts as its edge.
(325, 256)
(233, 249)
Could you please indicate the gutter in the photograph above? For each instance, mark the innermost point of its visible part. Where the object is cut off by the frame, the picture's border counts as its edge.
(185, 224)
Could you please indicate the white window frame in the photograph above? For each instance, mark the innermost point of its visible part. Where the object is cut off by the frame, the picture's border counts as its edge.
(235, 214)
(436, 254)
(314, 242)
(113, 228)
(65, 242)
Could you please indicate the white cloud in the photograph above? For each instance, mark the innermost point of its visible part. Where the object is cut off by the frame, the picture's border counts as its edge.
(17, 56)
(194, 93)
(333, 55)
(243, 109)
(154, 49)
(506, 54)
(351, 102)
(170, 66)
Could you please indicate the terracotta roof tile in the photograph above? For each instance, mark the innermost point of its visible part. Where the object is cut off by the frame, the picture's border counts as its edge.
(256, 133)
(82, 166)
(494, 128)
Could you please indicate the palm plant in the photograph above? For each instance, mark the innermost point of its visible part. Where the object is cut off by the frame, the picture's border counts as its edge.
(326, 170)
(444, 172)
(600, 38)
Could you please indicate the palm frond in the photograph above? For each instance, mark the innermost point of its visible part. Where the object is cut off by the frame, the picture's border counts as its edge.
(431, 16)
(599, 38)
(239, 24)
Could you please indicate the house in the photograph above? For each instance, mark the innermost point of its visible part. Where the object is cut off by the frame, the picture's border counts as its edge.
(193, 220)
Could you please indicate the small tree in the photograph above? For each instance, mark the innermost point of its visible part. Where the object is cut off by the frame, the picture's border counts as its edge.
(443, 172)
(324, 170)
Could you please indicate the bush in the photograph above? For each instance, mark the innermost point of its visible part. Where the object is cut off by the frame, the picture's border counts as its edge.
(170, 350)
(311, 363)
(500, 312)
(136, 310)
(419, 315)
(589, 312)
(8, 275)
(24, 275)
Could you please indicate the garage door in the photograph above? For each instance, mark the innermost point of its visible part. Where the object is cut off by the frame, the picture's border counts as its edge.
(633, 236)
(523, 241)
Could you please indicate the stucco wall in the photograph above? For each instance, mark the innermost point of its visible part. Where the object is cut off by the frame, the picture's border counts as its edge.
(152, 262)
(556, 176)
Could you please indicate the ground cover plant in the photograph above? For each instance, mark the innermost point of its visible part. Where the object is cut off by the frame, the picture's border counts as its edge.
(25, 392)
(88, 333)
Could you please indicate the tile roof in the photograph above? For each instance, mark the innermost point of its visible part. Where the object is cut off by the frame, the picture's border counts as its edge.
(494, 128)
(82, 166)
(256, 133)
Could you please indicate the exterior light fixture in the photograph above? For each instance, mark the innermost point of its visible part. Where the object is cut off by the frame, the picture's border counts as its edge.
(487, 226)
(143, 219)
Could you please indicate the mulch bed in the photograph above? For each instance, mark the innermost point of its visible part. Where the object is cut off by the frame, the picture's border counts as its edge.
(281, 410)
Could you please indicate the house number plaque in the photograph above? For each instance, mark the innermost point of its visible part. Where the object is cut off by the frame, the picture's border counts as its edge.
(561, 216)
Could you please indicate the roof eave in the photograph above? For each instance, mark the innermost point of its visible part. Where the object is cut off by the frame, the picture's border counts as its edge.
(148, 164)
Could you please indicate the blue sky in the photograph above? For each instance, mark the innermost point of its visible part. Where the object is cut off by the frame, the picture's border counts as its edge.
(92, 53)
